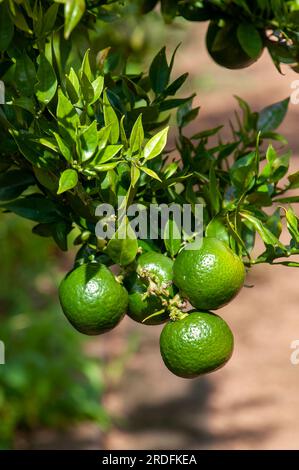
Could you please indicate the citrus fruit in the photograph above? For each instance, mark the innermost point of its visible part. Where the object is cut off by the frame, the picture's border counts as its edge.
(209, 276)
(152, 270)
(92, 300)
(200, 342)
(229, 52)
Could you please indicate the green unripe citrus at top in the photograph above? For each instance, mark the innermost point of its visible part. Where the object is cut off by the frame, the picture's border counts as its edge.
(230, 55)
(209, 276)
(159, 268)
(199, 343)
(92, 300)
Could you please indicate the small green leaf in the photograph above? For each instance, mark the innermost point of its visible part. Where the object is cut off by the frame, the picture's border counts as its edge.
(85, 67)
(97, 85)
(135, 173)
(106, 166)
(250, 39)
(267, 236)
(72, 86)
(159, 72)
(64, 148)
(123, 248)
(272, 116)
(137, 135)
(87, 90)
(172, 238)
(294, 180)
(243, 172)
(111, 118)
(176, 85)
(68, 119)
(103, 136)
(292, 224)
(89, 141)
(68, 180)
(14, 182)
(217, 228)
(123, 136)
(6, 28)
(25, 75)
(156, 145)
(274, 223)
(35, 207)
(46, 86)
(50, 18)
(73, 11)
(149, 172)
(106, 154)
(25, 102)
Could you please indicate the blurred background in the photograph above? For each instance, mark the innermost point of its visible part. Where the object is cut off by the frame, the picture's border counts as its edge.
(60, 390)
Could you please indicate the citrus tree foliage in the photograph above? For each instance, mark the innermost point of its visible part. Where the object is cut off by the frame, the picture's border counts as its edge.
(77, 130)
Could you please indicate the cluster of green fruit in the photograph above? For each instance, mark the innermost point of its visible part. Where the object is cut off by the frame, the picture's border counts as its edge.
(155, 290)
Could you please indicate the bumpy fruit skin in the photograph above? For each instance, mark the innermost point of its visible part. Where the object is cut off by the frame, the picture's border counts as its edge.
(231, 56)
(209, 277)
(199, 343)
(92, 300)
(139, 308)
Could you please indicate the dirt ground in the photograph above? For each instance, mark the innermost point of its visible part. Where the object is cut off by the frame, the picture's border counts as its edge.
(253, 402)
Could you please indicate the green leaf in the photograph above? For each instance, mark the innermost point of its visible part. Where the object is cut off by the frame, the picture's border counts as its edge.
(106, 154)
(207, 133)
(72, 86)
(137, 135)
(272, 116)
(135, 173)
(267, 236)
(85, 67)
(89, 141)
(217, 228)
(250, 39)
(243, 172)
(64, 148)
(35, 207)
(111, 118)
(156, 145)
(97, 85)
(274, 223)
(123, 136)
(149, 172)
(73, 11)
(50, 18)
(103, 136)
(25, 102)
(60, 231)
(292, 224)
(172, 238)
(294, 180)
(6, 28)
(87, 90)
(14, 182)
(25, 75)
(32, 150)
(68, 180)
(46, 86)
(68, 119)
(159, 72)
(176, 85)
(123, 247)
(106, 166)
